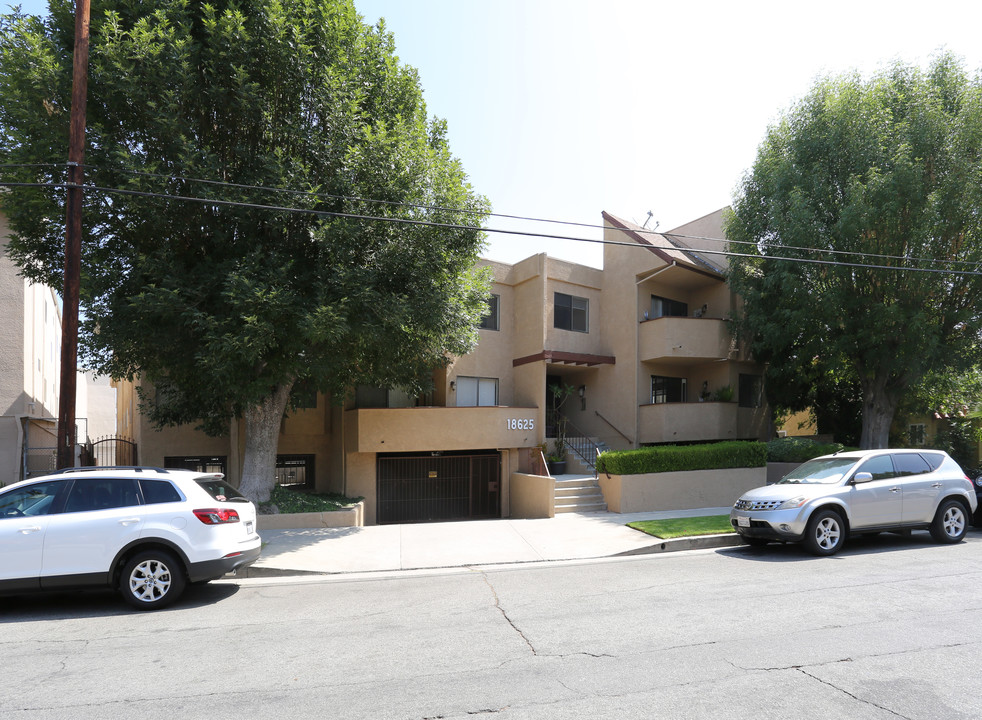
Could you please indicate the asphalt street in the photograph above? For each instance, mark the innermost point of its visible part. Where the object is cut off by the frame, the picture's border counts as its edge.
(885, 629)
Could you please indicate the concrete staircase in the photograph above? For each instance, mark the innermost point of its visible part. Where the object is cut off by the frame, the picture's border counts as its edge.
(578, 493)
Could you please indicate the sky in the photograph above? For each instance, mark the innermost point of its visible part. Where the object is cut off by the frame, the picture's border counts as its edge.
(562, 109)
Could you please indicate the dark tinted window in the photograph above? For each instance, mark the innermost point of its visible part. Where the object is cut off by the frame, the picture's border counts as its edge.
(910, 464)
(101, 494)
(880, 467)
(36, 499)
(571, 313)
(490, 321)
(663, 307)
(220, 490)
(933, 459)
(159, 491)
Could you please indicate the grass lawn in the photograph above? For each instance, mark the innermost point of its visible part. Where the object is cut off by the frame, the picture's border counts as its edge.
(290, 500)
(684, 527)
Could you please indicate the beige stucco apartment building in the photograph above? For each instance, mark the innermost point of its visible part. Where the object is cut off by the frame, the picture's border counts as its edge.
(644, 343)
(30, 378)
(30, 353)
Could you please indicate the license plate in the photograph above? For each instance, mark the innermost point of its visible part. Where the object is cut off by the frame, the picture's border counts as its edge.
(743, 521)
(248, 527)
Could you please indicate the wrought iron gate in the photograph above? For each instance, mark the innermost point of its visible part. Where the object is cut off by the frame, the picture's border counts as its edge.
(113, 451)
(435, 487)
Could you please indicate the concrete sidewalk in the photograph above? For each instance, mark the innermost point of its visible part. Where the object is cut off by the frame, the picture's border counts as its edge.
(568, 536)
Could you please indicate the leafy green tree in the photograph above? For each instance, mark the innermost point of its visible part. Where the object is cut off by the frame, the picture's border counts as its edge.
(874, 178)
(224, 306)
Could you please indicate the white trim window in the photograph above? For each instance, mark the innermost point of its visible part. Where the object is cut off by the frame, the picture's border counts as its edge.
(477, 392)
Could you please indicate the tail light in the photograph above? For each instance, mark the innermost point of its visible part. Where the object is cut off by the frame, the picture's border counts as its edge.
(217, 516)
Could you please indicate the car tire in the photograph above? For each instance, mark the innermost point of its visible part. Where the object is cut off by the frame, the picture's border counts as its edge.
(151, 579)
(950, 522)
(825, 533)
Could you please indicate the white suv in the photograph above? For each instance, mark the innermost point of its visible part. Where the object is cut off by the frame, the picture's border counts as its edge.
(866, 491)
(145, 531)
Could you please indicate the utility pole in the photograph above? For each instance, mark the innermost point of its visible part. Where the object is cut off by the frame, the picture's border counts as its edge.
(73, 239)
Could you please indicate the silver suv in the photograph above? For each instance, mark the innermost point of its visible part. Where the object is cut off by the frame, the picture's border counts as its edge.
(144, 531)
(826, 499)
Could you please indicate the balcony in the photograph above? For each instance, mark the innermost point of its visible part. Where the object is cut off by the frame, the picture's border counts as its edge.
(685, 340)
(430, 429)
(689, 422)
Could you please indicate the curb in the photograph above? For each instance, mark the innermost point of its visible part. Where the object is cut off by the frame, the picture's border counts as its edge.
(696, 542)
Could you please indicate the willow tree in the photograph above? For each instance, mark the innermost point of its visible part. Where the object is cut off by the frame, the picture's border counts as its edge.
(861, 227)
(230, 252)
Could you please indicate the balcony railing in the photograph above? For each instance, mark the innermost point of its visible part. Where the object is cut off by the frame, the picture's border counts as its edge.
(698, 421)
(683, 338)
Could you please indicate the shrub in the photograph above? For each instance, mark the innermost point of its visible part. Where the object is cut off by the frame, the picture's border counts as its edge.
(674, 458)
(799, 450)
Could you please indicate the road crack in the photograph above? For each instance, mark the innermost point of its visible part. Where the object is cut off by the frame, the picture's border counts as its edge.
(849, 694)
(497, 604)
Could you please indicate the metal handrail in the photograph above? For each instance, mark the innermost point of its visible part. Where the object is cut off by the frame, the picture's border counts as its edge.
(612, 425)
(581, 445)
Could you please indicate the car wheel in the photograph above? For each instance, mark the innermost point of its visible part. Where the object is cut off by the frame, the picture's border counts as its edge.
(825, 533)
(151, 579)
(950, 522)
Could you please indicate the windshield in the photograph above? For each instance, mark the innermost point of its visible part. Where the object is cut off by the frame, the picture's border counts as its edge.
(825, 472)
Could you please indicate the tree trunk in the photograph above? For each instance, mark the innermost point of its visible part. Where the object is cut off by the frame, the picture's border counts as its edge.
(262, 431)
(879, 406)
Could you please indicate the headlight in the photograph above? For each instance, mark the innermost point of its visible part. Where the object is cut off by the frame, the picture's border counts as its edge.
(793, 503)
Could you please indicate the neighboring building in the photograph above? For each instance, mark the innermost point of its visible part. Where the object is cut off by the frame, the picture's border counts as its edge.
(30, 356)
(644, 342)
(30, 376)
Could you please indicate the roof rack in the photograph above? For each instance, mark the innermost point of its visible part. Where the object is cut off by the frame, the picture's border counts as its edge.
(100, 468)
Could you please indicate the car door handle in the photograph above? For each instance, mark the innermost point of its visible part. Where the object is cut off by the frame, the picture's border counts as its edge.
(129, 521)
(30, 529)
(936, 485)
(895, 489)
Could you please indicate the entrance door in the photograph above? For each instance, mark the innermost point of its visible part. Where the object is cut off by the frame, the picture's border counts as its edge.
(438, 487)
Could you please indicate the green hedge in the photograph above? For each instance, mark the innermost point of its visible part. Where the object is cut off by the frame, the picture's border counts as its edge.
(674, 458)
(799, 450)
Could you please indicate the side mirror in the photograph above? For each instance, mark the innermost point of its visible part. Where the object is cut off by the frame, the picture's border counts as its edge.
(861, 477)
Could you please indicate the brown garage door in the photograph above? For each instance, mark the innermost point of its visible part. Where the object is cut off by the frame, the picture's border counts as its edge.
(436, 487)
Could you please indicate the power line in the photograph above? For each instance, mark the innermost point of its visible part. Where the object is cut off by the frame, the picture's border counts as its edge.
(592, 226)
(525, 233)
(641, 231)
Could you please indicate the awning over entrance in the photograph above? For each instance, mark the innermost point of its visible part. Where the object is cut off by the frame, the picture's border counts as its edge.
(561, 357)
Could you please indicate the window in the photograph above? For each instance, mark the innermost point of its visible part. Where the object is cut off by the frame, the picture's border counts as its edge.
(571, 313)
(159, 491)
(295, 470)
(916, 434)
(303, 396)
(373, 397)
(215, 464)
(101, 494)
(35, 499)
(663, 307)
(477, 392)
(910, 464)
(750, 395)
(490, 321)
(880, 467)
(667, 389)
